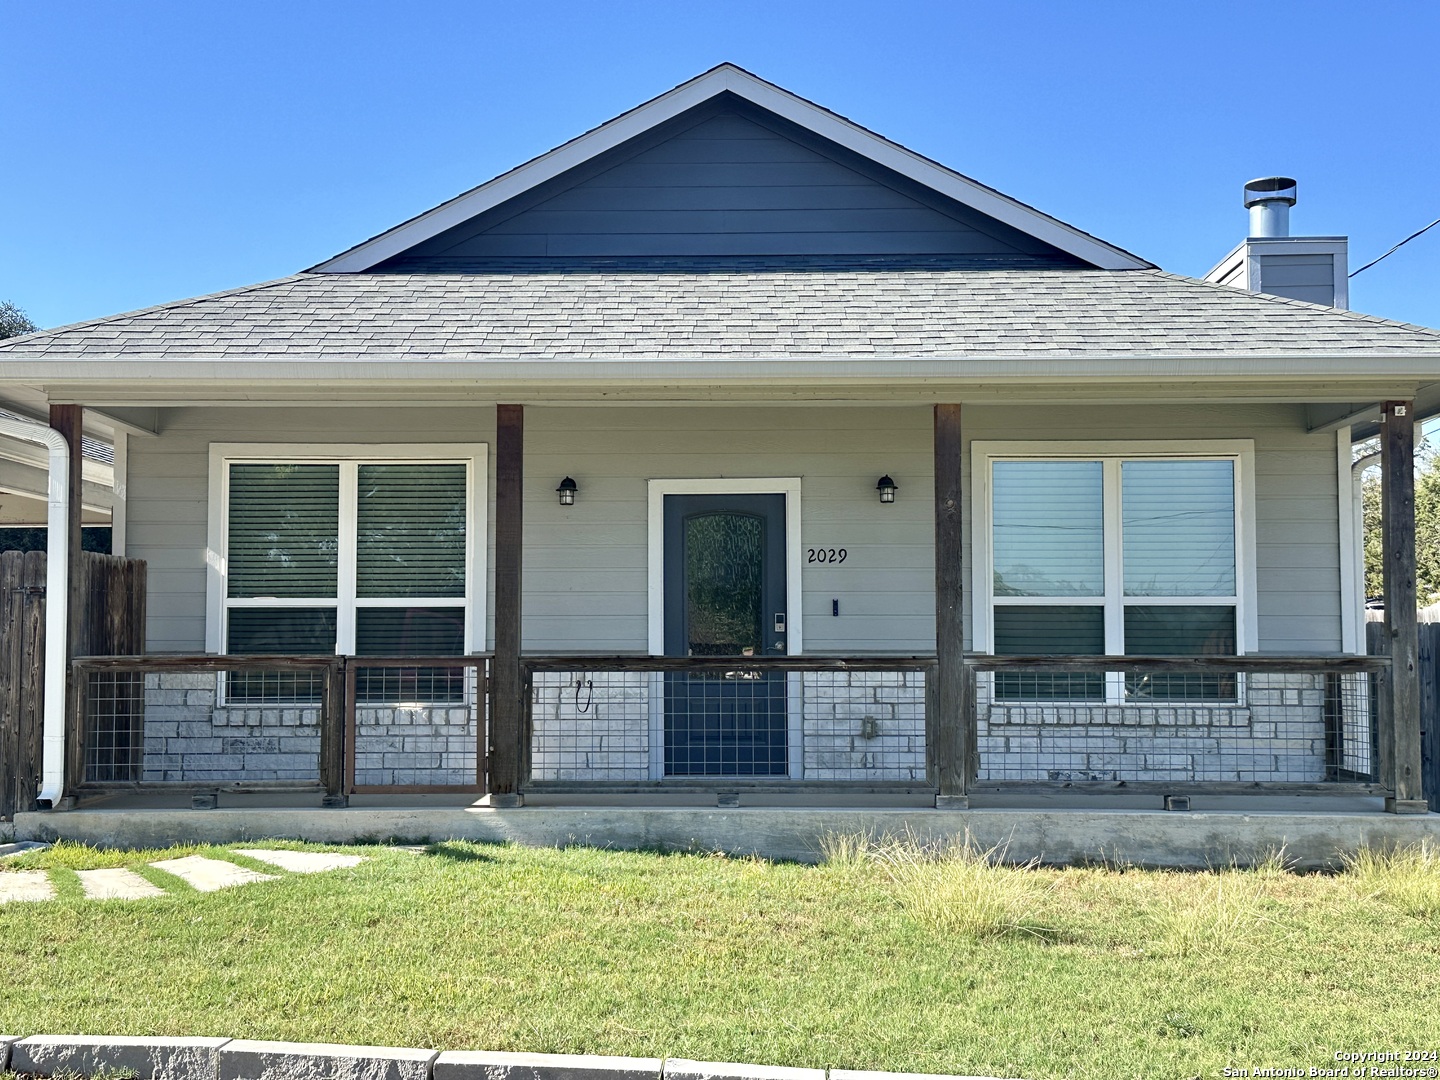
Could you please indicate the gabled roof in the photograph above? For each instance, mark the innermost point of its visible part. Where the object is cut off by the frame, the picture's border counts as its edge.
(686, 309)
(718, 81)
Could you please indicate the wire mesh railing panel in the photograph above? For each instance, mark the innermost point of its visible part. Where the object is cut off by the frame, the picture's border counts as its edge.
(1303, 725)
(202, 724)
(115, 748)
(1352, 724)
(592, 725)
(741, 719)
(864, 725)
(416, 725)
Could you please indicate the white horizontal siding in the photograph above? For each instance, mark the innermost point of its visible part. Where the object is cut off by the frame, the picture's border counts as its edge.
(169, 479)
(838, 454)
(1297, 527)
(585, 566)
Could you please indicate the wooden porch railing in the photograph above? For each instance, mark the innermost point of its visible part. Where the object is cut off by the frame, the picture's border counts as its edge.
(342, 725)
(1200, 725)
(335, 724)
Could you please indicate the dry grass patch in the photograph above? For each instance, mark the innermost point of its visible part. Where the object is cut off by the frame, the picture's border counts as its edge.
(1407, 878)
(956, 887)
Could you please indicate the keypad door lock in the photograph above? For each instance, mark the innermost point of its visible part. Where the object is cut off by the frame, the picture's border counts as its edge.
(779, 622)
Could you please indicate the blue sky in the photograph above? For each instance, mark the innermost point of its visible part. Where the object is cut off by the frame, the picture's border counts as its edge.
(156, 150)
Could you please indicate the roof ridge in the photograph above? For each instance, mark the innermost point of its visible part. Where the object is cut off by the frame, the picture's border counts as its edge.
(167, 305)
(1358, 316)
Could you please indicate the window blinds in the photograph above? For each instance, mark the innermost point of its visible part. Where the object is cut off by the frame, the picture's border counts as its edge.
(1049, 528)
(411, 531)
(284, 529)
(1179, 527)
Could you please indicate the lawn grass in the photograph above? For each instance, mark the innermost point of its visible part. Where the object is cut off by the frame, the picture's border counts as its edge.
(885, 957)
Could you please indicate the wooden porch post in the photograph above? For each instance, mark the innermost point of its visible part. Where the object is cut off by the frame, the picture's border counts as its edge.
(506, 688)
(1397, 470)
(949, 729)
(68, 420)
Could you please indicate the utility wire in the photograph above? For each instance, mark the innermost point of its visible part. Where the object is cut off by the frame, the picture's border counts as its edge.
(1398, 246)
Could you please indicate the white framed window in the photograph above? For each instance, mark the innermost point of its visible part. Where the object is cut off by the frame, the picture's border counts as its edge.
(1114, 548)
(353, 549)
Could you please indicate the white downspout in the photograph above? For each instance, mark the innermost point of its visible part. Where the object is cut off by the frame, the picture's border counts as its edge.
(57, 600)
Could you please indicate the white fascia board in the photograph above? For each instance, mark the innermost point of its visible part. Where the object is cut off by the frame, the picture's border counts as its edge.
(1297, 245)
(130, 382)
(697, 91)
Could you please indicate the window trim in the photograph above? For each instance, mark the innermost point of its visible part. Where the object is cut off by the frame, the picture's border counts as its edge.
(984, 453)
(348, 456)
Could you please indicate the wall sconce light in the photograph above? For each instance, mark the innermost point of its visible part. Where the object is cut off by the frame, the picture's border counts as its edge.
(567, 491)
(886, 487)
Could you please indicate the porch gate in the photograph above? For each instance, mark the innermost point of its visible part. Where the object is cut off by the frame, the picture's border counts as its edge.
(112, 622)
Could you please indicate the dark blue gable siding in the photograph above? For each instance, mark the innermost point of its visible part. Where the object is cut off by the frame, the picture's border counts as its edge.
(728, 179)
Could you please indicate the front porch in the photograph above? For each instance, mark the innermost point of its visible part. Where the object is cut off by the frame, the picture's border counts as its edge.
(1055, 756)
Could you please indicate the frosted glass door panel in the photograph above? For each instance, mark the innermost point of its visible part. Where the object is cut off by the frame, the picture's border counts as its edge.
(724, 557)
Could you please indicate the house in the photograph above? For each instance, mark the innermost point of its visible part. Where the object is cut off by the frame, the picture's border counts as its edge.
(737, 449)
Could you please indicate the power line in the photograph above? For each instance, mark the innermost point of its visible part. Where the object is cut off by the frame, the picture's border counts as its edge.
(1398, 246)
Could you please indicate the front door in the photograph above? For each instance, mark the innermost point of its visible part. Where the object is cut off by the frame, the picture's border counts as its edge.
(725, 596)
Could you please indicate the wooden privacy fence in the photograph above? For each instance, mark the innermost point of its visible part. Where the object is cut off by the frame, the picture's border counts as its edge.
(1377, 645)
(111, 592)
(22, 664)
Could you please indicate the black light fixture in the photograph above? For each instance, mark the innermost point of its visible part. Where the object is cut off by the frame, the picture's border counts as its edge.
(567, 491)
(886, 487)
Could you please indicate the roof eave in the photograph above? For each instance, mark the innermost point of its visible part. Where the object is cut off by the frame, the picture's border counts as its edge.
(1398, 367)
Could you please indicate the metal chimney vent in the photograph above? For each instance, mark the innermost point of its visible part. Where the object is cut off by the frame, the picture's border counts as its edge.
(1306, 268)
(1269, 200)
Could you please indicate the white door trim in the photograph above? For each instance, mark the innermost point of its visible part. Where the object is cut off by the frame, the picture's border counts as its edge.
(789, 486)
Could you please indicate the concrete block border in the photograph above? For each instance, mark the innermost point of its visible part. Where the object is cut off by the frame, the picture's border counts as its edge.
(86, 1055)
(496, 1065)
(250, 1059)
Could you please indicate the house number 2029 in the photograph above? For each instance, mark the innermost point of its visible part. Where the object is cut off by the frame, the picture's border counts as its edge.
(827, 555)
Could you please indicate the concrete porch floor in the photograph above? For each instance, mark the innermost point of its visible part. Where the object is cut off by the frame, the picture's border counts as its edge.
(1054, 829)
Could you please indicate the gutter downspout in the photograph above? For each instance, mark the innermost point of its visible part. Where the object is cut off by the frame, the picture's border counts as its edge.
(57, 594)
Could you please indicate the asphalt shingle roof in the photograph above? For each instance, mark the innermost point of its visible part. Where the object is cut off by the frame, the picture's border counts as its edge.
(736, 309)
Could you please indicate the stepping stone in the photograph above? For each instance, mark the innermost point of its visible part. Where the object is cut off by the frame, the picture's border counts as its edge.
(207, 875)
(26, 885)
(21, 847)
(303, 862)
(117, 884)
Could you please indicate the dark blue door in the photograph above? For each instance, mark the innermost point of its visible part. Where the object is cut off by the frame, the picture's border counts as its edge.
(725, 596)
